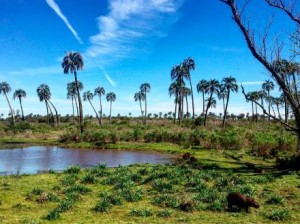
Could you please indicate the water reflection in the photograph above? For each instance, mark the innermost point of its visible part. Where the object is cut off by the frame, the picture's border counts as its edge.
(35, 159)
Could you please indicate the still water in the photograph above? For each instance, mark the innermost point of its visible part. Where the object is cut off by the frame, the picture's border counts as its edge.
(37, 159)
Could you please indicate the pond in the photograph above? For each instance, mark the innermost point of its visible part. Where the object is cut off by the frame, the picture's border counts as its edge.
(16, 159)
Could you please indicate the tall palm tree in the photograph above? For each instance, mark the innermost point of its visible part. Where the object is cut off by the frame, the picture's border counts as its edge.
(140, 96)
(254, 96)
(72, 62)
(88, 96)
(189, 65)
(43, 92)
(110, 97)
(5, 88)
(20, 93)
(145, 88)
(213, 88)
(228, 83)
(174, 90)
(268, 85)
(177, 74)
(278, 101)
(211, 102)
(186, 92)
(202, 87)
(72, 93)
(249, 97)
(100, 91)
(222, 96)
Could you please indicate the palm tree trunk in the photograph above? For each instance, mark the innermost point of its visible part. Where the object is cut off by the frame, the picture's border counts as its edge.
(279, 115)
(193, 107)
(145, 121)
(100, 110)
(76, 106)
(56, 114)
(11, 110)
(203, 103)
(175, 111)
(80, 104)
(73, 108)
(286, 110)
(269, 118)
(187, 105)
(207, 109)
(95, 112)
(23, 118)
(110, 112)
(50, 111)
(47, 111)
(141, 109)
(225, 111)
(256, 115)
(252, 111)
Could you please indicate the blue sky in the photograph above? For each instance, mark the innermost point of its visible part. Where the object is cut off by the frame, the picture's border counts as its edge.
(125, 43)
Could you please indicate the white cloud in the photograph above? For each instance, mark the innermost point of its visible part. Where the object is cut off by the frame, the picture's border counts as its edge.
(253, 83)
(129, 25)
(57, 10)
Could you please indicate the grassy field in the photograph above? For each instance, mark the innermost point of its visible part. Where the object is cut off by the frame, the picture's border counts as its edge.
(187, 191)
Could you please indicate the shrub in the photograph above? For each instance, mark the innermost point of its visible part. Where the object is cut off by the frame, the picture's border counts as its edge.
(279, 215)
(165, 213)
(53, 215)
(141, 212)
(89, 178)
(131, 194)
(78, 188)
(65, 205)
(275, 199)
(162, 186)
(73, 169)
(103, 206)
(69, 180)
(230, 140)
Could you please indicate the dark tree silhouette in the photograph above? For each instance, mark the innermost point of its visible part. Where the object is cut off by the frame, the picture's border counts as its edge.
(72, 62)
(140, 96)
(20, 93)
(5, 89)
(100, 91)
(88, 96)
(110, 97)
(145, 88)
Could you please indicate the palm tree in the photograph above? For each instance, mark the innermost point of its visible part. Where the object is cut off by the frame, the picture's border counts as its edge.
(278, 101)
(72, 93)
(110, 97)
(145, 88)
(211, 102)
(189, 65)
(174, 90)
(228, 83)
(140, 96)
(222, 96)
(254, 96)
(44, 94)
(5, 88)
(177, 74)
(213, 87)
(72, 62)
(202, 87)
(100, 91)
(268, 85)
(88, 96)
(20, 93)
(186, 92)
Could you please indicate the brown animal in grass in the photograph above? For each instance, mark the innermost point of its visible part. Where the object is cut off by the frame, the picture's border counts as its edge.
(43, 197)
(240, 201)
(186, 156)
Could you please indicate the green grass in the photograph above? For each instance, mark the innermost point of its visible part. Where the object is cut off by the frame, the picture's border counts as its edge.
(149, 194)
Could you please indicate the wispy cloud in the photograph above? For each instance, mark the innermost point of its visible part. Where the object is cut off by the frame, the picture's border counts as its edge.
(57, 10)
(130, 25)
(109, 79)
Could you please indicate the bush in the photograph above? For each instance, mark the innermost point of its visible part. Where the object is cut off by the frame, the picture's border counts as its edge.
(279, 215)
(141, 212)
(53, 215)
(103, 206)
(275, 199)
(230, 140)
(73, 169)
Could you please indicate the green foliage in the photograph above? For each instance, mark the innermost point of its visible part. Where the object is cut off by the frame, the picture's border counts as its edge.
(73, 169)
(275, 199)
(53, 215)
(165, 213)
(279, 215)
(141, 212)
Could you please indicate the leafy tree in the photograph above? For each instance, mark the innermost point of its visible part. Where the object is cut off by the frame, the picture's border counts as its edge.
(269, 55)
(202, 87)
(88, 96)
(145, 88)
(140, 96)
(72, 94)
(110, 97)
(20, 93)
(229, 84)
(100, 91)
(267, 86)
(72, 62)
(189, 64)
(43, 92)
(212, 88)
(5, 89)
